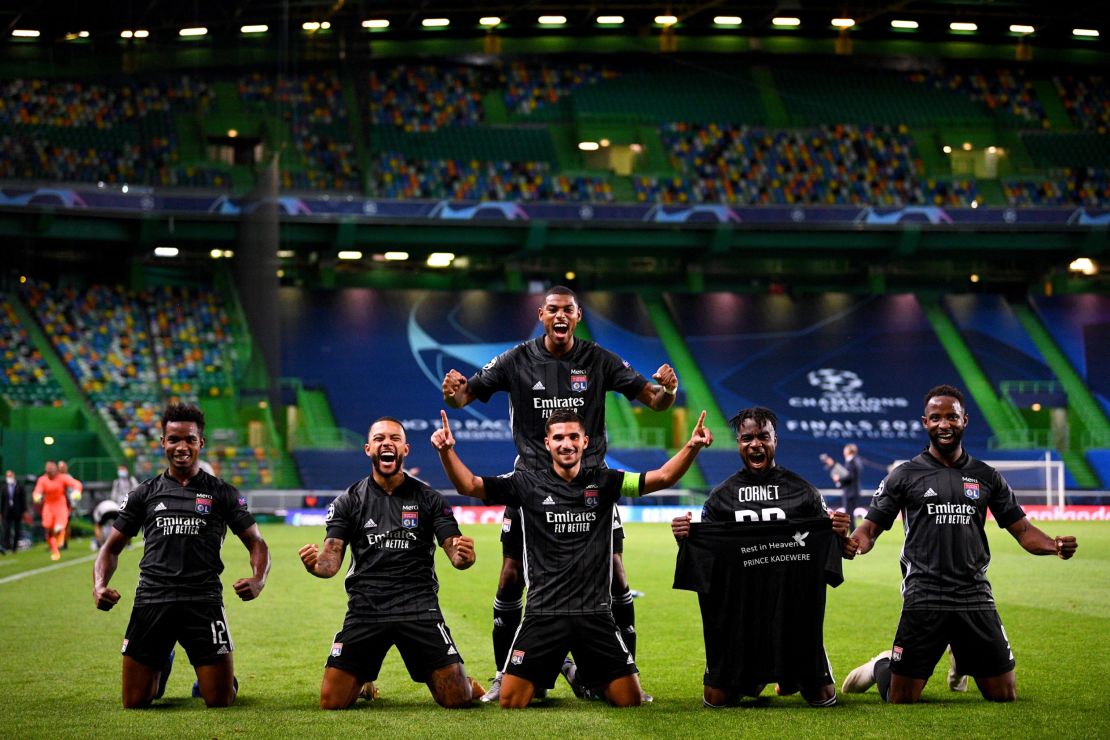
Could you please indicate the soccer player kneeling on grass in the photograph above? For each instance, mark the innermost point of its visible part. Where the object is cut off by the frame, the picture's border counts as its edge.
(765, 621)
(567, 519)
(184, 514)
(392, 523)
(943, 495)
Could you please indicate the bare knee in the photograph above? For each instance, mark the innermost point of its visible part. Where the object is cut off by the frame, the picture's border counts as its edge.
(216, 702)
(136, 702)
(999, 691)
(625, 692)
(332, 702)
(714, 697)
(516, 693)
(450, 687)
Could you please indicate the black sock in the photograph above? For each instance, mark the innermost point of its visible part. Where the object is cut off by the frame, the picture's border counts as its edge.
(624, 614)
(506, 619)
(882, 677)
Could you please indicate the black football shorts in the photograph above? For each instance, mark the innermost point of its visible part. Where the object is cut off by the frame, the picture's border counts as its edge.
(201, 628)
(425, 646)
(978, 640)
(594, 639)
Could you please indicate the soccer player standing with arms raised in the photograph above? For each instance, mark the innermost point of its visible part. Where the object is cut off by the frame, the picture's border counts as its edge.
(566, 512)
(943, 495)
(555, 371)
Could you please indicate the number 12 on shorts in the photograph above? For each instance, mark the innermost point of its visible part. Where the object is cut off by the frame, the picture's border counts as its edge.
(219, 633)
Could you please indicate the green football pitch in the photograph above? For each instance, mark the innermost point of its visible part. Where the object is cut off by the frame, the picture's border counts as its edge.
(60, 665)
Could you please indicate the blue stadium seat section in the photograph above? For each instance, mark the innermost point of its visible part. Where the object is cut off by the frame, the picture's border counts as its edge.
(638, 461)
(620, 322)
(996, 338)
(329, 470)
(1099, 460)
(1080, 325)
(384, 353)
(835, 368)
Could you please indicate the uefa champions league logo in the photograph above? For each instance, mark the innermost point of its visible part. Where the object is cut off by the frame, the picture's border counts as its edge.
(835, 381)
(836, 408)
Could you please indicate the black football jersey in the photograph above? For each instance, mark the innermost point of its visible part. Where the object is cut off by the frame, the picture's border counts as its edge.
(393, 540)
(568, 534)
(183, 529)
(538, 383)
(944, 509)
(777, 495)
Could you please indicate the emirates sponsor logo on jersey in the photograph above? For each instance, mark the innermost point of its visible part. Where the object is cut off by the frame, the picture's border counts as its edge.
(174, 525)
(579, 381)
(410, 519)
(204, 503)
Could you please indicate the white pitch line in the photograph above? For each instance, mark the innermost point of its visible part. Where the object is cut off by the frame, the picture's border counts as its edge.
(47, 569)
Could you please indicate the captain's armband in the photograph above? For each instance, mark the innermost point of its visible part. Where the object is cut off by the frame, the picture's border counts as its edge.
(632, 484)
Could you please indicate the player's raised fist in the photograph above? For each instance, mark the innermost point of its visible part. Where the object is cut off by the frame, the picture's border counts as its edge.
(309, 554)
(849, 548)
(248, 588)
(841, 523)
(105, 598)
(452, 382)
(442, 438)
(1066, 547)
(665, 377)
(701, 436)
(461, 552)
(680, 526)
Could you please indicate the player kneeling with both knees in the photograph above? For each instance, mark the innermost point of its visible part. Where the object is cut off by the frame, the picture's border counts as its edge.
(943, 495)
(567, 518)
(760, 559)
(184, 514)
(392, 523)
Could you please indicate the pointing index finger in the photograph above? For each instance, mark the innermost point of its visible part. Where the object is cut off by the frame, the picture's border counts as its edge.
(443, 417)
(701, 420)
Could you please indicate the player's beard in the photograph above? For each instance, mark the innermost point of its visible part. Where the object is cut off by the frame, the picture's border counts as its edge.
(398, 465)
(565, 463)
(946, 446)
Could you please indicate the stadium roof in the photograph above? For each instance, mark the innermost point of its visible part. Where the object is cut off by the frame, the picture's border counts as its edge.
(165, 18)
